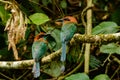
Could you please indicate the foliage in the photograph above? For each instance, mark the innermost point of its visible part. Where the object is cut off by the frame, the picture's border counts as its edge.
(52, 68)
(105, 28)
(38, 18)
(63, 4)
(94, 62)
(78, 76)
(101, 77)
(41, 15)
(4, 15)
(83, 76)
(55, 43)
(110, 48)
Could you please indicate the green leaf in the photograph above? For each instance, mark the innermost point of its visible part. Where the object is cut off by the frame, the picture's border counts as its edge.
(4, 15)
(105, 28)
(5, 54)
(94, 62)
(39, 18)
(118, 50)
(110, 48)
(78, 76)
(27, 33)
(74, 53)
(52, 68)
(63, 4)
(56, 35)
(56, 43)
(45, 2)
(102, 77)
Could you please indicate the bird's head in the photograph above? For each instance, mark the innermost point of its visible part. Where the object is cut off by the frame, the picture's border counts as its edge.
(41, 35)
(67, 19)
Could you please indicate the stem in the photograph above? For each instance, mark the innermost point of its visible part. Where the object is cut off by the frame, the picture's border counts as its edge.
(107, 59)
(43, 7)
(6, 76)
(22, 75)
(6, 2)
(116, 71)
(59, 8)
(88, 32)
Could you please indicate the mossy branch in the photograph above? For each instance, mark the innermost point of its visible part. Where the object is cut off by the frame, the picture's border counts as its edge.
(101, 38)
(25, 64)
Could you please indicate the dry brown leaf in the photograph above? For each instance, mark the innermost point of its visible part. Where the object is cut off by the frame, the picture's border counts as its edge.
(15, 26)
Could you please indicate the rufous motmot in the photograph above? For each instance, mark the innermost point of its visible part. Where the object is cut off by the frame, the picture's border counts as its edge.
(39, 48)
(67, 31)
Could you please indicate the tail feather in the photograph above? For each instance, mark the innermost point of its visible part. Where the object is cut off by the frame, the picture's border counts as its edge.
(63, 55)
(36, 69)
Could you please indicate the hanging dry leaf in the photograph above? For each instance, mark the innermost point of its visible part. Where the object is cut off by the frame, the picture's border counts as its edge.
(15, 26)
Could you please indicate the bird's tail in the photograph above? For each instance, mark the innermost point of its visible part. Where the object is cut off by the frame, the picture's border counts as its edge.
(63, 55)
(36, 69)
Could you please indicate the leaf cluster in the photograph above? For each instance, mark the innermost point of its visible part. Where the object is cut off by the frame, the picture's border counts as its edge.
(41, 15)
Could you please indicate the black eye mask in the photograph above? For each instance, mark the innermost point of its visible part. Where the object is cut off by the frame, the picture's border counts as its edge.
(66, 19)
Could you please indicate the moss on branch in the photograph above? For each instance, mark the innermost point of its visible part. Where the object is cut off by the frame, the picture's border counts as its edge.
(101, 38)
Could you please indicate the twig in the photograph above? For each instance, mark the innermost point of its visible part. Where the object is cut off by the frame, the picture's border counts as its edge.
(6, 2)
(116, 59)
(43, 6)
(82, 50)
(116, 71)
(108, 58)
(22, 75)
(59, 8)
(83, 13)
(82, 17)
(106, 70)
(6, 76)
(93, 69)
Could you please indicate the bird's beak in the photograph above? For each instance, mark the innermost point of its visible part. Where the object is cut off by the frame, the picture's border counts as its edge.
(59, 20)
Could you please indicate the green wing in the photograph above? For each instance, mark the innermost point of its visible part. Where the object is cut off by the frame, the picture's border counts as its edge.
(68, 31)
(38, 49)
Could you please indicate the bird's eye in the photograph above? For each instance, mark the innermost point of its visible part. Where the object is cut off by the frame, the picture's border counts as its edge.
(66, 19)
(40, 36)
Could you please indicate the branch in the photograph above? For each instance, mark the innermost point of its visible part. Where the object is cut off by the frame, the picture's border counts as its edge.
(100, 38)
(16, 64)
(88, 32)
(116, 59)
(24, 64)
(6, 2)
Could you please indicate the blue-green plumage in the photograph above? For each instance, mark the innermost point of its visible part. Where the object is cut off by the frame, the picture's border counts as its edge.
(39, 48)
(67, 33)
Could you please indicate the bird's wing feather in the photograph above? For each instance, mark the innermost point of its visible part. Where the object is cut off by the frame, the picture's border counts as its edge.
(68, 31)
(38, 49)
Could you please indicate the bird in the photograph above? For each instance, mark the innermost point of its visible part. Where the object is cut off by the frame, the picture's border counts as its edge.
(68, 29)
(39, 48)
